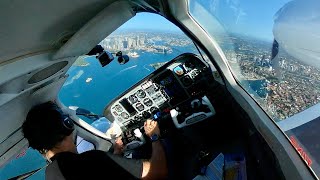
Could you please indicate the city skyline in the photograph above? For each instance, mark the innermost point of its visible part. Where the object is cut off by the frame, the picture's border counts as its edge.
(157, 42)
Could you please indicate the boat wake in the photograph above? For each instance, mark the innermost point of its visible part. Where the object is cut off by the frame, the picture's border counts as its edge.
(128, 68)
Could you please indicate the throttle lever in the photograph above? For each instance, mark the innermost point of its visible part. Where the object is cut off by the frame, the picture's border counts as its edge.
(174, 114)
(138, 134)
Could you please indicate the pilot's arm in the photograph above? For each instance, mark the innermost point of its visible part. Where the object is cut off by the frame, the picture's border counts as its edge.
(118, 146)
(153, 168)
(156, 166)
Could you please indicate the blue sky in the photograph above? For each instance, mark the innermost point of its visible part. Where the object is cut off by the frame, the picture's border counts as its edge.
(149, 21)
(250, 17)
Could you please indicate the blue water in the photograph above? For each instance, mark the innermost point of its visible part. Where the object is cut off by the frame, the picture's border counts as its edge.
(258, 87)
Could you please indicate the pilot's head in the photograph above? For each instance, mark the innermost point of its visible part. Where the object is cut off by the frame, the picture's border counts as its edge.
(47, 127)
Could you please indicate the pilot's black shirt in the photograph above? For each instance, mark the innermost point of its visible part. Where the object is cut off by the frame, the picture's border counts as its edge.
(97, 164)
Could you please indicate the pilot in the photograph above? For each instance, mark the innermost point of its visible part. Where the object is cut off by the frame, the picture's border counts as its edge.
(50, 131)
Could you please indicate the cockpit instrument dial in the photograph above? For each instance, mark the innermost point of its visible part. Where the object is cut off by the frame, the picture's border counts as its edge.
(147, 102)
(133, 98)
(124, 115)
(186, 81)
(141, 94)
(118, 108)
(120, 119)
(140, 107)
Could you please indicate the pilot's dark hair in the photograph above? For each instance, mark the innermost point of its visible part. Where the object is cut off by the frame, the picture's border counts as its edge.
(43, 127)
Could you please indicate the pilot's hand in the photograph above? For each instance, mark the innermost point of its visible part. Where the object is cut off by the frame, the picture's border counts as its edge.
(151, 127)
(118, 146)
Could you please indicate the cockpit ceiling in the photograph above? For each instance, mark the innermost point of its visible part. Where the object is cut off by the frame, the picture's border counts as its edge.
(35, 26)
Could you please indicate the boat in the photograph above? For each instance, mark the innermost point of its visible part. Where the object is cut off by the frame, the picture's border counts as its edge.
(88, 80)
(133, 54)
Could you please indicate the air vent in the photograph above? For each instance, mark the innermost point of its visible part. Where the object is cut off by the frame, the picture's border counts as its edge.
(47, 72)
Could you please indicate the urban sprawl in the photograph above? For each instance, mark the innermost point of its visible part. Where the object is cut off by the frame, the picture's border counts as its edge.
(291, 86)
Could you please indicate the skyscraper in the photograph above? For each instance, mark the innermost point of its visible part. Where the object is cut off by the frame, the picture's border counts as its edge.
(125, 44)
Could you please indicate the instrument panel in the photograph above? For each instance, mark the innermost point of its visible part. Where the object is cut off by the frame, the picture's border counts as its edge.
(182, 78)
(139, 102)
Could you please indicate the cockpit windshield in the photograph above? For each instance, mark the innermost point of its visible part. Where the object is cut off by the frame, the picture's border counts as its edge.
(92, 87)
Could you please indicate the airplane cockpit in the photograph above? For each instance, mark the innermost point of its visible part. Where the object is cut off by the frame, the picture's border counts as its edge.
(176, 94)
(179, 84)
(233, 86)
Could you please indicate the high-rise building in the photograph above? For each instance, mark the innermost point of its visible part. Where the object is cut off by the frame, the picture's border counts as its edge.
(142, 41)
(137, 41)
(125, 44)
(134, 43)
(130, 42)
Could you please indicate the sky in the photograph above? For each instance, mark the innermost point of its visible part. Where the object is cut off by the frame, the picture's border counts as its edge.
(149, 21)
(249, 17)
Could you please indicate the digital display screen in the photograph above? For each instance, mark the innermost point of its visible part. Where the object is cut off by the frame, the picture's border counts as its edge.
(172, 87)
(166, 81)
(125, 103)
(179, 70)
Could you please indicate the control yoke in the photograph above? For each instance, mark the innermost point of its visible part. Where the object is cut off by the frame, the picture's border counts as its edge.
(198, 110)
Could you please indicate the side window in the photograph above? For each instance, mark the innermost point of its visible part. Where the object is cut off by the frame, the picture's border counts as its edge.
(272, 48)
(83, 145)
